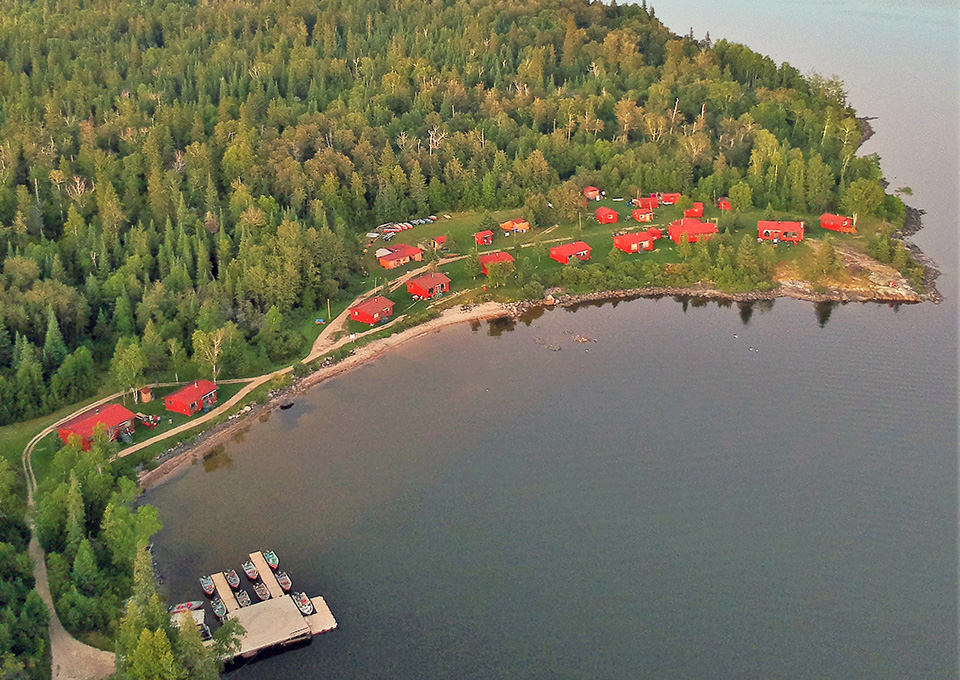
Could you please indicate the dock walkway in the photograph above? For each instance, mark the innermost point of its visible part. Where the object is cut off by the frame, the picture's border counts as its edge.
(225, 591)
(266, 574)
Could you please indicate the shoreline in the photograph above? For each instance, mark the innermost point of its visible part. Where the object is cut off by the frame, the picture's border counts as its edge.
(191, 452)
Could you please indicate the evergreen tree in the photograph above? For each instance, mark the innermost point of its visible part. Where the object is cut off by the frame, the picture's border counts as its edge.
(6, 346)
(54, 349)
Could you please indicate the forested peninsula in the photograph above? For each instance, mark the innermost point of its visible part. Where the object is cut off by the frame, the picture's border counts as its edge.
(187, 189)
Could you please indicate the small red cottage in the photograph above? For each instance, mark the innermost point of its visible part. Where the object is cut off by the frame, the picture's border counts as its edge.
(591, 193)
(400, 255)
(724, 204)
(768, 230)
(654, 232)
(577, 249)
(438, 241)
(493, 258)
(669, 199)
(642, 214)
(839, 223)
(372, 310)
(635, 242)
(692, 229)
(650, 203)
(483, 238)
(521, 225)
(695, 211)
(507, 226)
(607, 216)
(115, 420)
(191, 398)
(428, 285)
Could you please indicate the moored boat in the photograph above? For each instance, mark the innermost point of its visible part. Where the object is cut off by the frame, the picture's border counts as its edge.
(250, 569)
(303, 603)
(284, 581)
(206, 582)
(219, 608)
(261, 590)
(233, 580)
(243, 598)
(205, 633)
(271, 559)
(184, 607)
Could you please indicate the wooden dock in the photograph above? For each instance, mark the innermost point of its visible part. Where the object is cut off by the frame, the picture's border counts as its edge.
(225, 592)
(266, 574)
(322, 619)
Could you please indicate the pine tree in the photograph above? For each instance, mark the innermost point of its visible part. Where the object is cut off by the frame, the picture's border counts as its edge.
(85, 573)
(6, 346)
(29, 383)
(123, 316)
(54, 349)
(76, 516)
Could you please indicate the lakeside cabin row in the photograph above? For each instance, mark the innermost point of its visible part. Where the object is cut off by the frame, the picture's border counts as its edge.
(379, 309)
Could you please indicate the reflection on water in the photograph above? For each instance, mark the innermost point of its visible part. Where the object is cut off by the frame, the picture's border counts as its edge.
(497, 327)
(240, 435)
(746, 312)
(265, 416)
(217, 458)
(823, 311)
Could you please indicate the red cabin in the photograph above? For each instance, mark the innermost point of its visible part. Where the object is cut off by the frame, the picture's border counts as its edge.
(483, 238)
(642, 214)
(191, 398)
(695, 211)
(654, 232)
(439, 241)
(521, 225)
(493, 258)
(768, 230)
(591, 193)
(669, 199)
(400, 255)
(577, 249)
(372, 310)
(651, 203)
(635, 242)
(692, 229)
(607, 216)
(115, 420)
(428, 286)
(724, 204)
(839, 223)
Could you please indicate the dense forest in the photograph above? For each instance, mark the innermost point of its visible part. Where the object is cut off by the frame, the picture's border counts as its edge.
(168, 166)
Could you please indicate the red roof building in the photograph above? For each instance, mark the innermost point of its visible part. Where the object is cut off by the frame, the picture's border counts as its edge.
(635, 242)
(428, 286)
(507, 226)
(724, 204)
(521, 225)
(189, 399)
(438, 241)
(692, 229)
(643, 214)
(493, 258)
(768, 230)
(483, 238)
(577, 249)
(372, 310)
(400, 255)
(669, 199)
(591, 193)
(607, 216)
(115, 420)
(695, 211)
(651, 203)
(654, 232)
(839, 223)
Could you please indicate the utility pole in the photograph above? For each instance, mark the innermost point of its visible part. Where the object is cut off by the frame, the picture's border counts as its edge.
(328, 310)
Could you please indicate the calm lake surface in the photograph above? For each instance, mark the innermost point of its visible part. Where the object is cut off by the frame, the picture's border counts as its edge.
(666, 502)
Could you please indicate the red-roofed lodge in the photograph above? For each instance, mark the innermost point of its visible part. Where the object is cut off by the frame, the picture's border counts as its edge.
(200, 394)
(839, 223)
(695, 211)
(400, 255)
(635, 242)
(372, 310)
(428, 286)
(493, 258)
(769, 230)
(606, 216)
(692, 229)
(577, 249)
(643, 214)
(483, 238)
(115, 419)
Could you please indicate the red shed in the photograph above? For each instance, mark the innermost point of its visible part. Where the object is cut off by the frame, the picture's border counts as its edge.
(115, 420)
(769, 230)
(643, 214)
(521, 225)
(654, 232)
(439, 241)
(724, 204)
(483, 238)
(507, 226)
(591, 193)
(399, 255)
(669, 199)
(695, 211)
(635, 242)
(691, 228)
(191, 398)
(577, 249)
(493, 258)
(428, 285)
(651, 203)
(839, 223)
(607, 216)
(372, 310)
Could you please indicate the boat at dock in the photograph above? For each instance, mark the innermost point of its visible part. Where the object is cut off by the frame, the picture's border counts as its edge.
(250, 569)
(284, 581)
(233, 580)
(219, 608)
(303, 603)
(261, 590)
(205, 633)
(243, 598)
(206, 582)
(184, 607)
(271, 559)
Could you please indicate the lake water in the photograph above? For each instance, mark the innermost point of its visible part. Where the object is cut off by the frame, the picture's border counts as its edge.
(665, 502)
